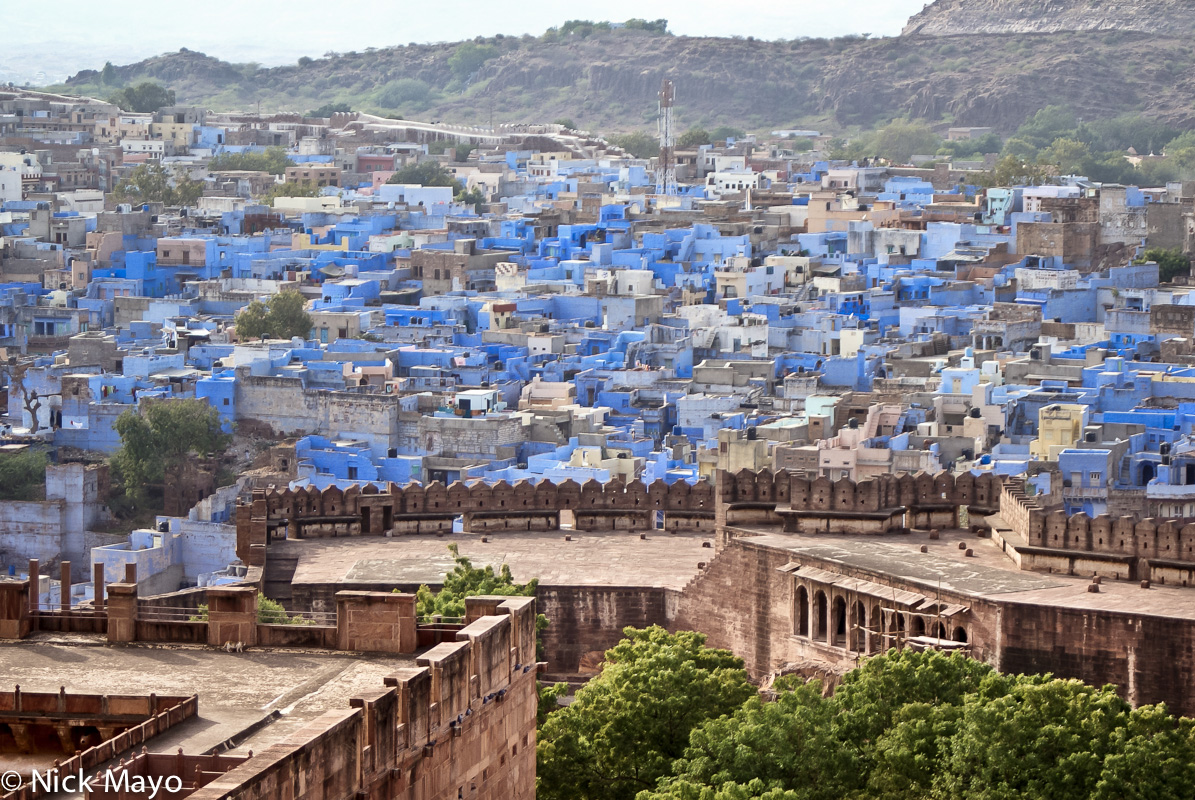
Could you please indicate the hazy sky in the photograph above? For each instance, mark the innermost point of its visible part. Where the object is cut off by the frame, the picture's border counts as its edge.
(59, 38)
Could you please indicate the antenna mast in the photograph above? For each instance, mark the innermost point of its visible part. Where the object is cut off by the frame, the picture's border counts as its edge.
(666, 174)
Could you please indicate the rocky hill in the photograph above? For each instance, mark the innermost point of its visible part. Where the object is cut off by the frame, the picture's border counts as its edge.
(608, 82)
(955, 17)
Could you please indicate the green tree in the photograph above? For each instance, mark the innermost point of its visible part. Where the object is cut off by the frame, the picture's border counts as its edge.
(626, 726)
(694, 137)
(787, 744)
(269, 612)
(1014, 171)
(22, 475)
(899, 141)
(724, 132)
(638, 144)
(1171, 263)
(468, 57)
(1127, 130)
(282, 316)
(108, 75)
(1031, 737)
(566, 122)
(404, 90)
(656, 26)
(144, 98)
(1150, 758)
(1070, 156)
(328, 109)
(274, 160)
(961, 149)
(290, 189)
(152, 183)
(164, 434)
(466, 580)
(473, 197)
(1048, 124)
(425, 173)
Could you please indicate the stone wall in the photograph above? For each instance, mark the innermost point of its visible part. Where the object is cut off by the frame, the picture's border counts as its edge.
(1148, 658)
(460, 724)
(1125, 548)
(414, 508)
(749, 600)
(588, 620)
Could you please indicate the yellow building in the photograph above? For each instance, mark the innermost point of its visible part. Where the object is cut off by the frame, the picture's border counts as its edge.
(1059, 427)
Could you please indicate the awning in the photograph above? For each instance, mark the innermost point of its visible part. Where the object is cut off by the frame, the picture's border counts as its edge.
(897, 596)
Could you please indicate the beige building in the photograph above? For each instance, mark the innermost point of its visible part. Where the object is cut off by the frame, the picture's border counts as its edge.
(1059, 427)
(319, 174)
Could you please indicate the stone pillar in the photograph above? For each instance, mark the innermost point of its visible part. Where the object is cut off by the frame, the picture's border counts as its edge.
(98, 582)
(122, 612)
(231, 615)
(64, 587)
(130, 572)
(375, 622)
(15, 622)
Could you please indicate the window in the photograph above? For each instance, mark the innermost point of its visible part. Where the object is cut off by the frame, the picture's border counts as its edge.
(225, 401)
(1095, 477)
(352, 473)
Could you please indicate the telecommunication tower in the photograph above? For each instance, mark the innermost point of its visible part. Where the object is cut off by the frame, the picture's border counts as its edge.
(666, 174)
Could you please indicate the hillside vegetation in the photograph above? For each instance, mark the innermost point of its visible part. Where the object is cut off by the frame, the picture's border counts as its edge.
(607, 80)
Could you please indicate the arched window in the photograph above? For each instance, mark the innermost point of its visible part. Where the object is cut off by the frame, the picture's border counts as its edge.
(960, 634)
(801, 612)
(859, 628)
(821, 613)
(839, 623)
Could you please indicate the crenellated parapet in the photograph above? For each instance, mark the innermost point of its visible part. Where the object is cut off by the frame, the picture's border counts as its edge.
(867, 495)
(873, 505)
(1125, 547)
(308, 512)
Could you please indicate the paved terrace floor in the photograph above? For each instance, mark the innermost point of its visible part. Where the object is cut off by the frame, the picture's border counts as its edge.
(237, 691)
(987, 573)
(620, 558)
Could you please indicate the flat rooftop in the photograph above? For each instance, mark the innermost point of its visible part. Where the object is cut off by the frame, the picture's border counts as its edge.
(238, 692)
(609, 558)
(988, 573)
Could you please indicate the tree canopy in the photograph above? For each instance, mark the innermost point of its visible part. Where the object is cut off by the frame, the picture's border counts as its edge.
(1171, 263)
(164, 434)
(282, 316)
(425, 173)
(468, 57)
(694, 137)
(403, 90)
(144, 98)
(637, 143)
(466, 580)
(274, 160)
(328, 109)
(22, 475)
(290, 189)
(152, 183)
(627, 726)
(904, 726)
(724, 132)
